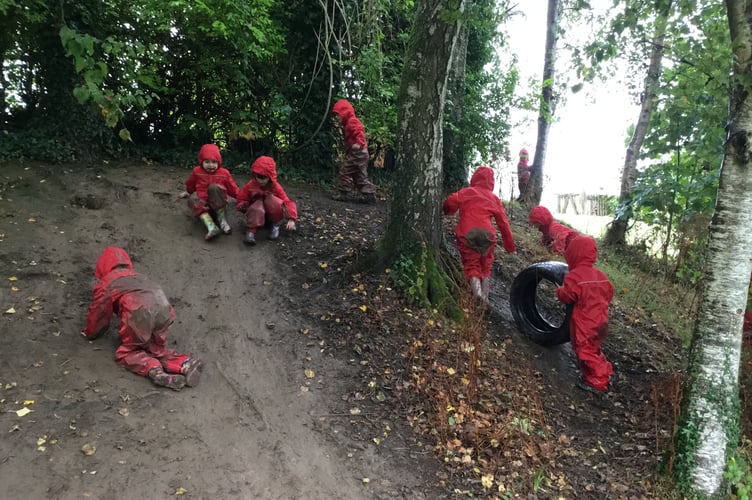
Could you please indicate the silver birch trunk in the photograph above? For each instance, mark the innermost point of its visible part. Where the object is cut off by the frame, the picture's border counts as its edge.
(534, 190)
(709, 427)
(617, 231)
(415, 213)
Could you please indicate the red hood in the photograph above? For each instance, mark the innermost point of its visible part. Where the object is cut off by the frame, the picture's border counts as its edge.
(209, 152)
(541, 215)
(265, 165)
(344, 110)
(581, 251)
(523, 157)
(483, 178)
(111, 258)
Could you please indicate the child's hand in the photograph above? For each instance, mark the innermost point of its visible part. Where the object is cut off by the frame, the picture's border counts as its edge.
(184, 194)
(290, 226)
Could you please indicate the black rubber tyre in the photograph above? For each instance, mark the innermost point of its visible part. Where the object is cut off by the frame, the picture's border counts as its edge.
(543, 320)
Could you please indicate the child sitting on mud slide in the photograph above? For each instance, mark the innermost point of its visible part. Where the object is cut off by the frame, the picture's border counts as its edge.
(207, 189)
(263, 201)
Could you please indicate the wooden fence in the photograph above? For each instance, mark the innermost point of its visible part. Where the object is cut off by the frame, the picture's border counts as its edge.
(583, 204)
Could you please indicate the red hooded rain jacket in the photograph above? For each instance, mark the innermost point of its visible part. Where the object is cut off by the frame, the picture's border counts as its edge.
(200, 180)
(555, 236)
(589, 290)
(478, 205)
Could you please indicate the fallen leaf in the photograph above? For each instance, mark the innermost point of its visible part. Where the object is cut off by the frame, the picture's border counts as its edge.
(363, 308)
(32, 219)
(309, 373)
(12, 278)
(10, 311)
(451, 371)
(23, 412)
(355, 411)
(181, 491)
(88, 449)
(323, 265)
(124, 412)
(14, 289)
(366, 480)
(28, 402)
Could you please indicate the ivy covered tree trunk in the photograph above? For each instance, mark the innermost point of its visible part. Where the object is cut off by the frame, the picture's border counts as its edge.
(413, 230)
(709, 426)
(532, 195)
(617, 231)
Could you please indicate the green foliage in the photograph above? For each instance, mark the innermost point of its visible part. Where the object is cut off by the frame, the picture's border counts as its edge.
(739, 474)
(409, 278)
(676, 185)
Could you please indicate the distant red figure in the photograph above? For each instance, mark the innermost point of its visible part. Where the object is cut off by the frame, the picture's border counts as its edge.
(523, 172)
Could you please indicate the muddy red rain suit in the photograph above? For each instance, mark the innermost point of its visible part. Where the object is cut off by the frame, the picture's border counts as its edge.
(265, 204)
(209, 190)
(354, 171)
(589, 290)
(144, 311)
(476, 235)
(555, 236)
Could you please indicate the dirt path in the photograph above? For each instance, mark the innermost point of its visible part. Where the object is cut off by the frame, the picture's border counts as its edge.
(256, 426)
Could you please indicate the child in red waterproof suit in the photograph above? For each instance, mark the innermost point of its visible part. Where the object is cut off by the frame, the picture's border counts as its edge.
(589, 290)
(476, 236)
(523, 172)
(555, 236)
(354, 171)
(263, 201)
(145, 315)
(207, 189)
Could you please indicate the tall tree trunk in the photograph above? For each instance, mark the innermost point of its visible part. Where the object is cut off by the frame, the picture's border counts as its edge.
(455, 167)
(617, 231)
(709, 425)
(414, 226)
(534, 188)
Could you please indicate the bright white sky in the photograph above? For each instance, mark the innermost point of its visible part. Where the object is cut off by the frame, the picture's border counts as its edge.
(586, 145)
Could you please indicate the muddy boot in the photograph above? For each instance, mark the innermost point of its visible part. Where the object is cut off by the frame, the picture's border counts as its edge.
(223, 224)
(367, 198)
(274, 233)
(169, 380)
(250, 238)
(192, 369)
(476, 287)
(342, 196)
(211, 227)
